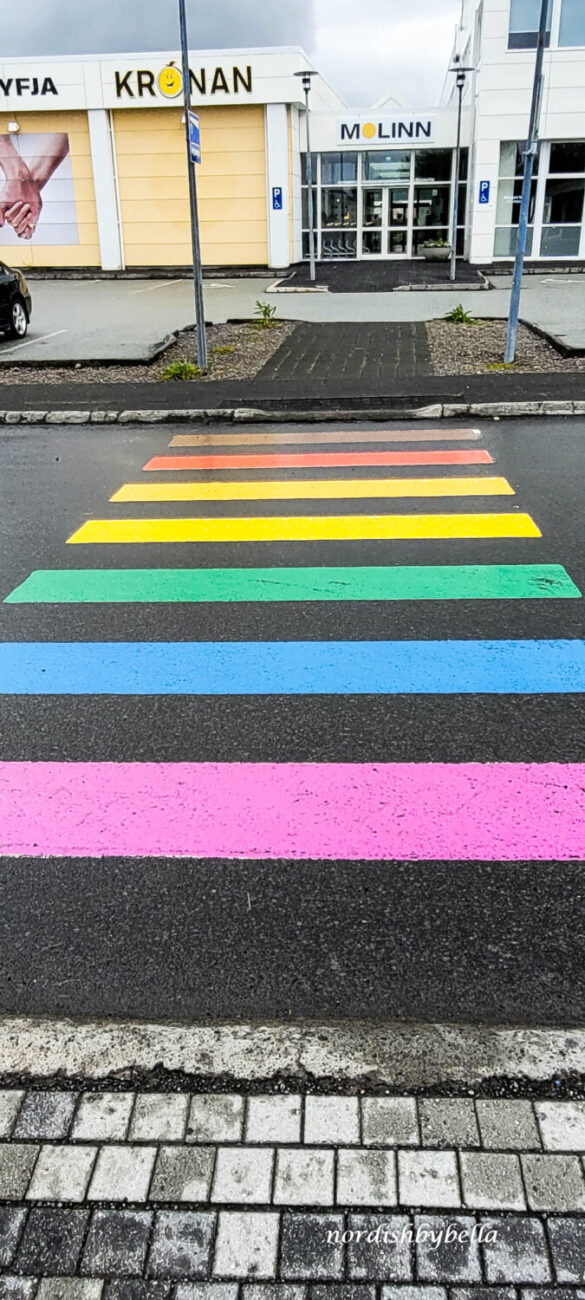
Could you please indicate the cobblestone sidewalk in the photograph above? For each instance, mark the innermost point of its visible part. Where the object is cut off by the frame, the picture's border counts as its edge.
(152, 1196)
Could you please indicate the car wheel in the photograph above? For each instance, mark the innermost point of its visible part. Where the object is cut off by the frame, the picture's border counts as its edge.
(18, 319)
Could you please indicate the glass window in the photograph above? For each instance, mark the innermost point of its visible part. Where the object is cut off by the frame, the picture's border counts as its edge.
(338, 244)
(463, 164)
(339, 208)
(506, 240)
(524, 24)
(336, 168)
(304, 167)
(421, 237)
(572, 29)
(381, 166)
(397, 207)
(509, 200)
(372, 208)
(398, 241)
(433, 164)
(567, 158)
(431, 206)
(372, 242)
(462, 205)
(560, 241)
(512, 159)
(563, 203)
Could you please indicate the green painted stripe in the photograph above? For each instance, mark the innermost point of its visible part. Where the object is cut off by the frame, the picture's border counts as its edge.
(449, 582)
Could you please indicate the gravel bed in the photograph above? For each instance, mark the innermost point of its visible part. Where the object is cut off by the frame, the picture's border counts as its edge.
(250, 349)
(473, 349)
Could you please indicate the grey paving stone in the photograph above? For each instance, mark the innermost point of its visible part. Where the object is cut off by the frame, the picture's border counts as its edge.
(270, 1291)
(215, 1117)
(519, 1253)
(182, 1174)
(448, 1122)
(484, 1293)
(332, 1121)
(51, 1242)
(122, 1173)
(159, 1117)
(552, 1293)
(450, 1253)
(414, 1293)
(18, 1288)
(312, 1247)
(132, 1288)
(62, 1173)
(383, 1253)
(45, 1115)
(117, 1242)
(16, 1166)
(492, 1181)
(11, 1223)
(508, 1125)
(243, 1175)
(562, 1124)
(209, 1291)
(554, 1182)
(273, 1119)
(9, 1107)
(366, 1178)
(567, 1243)
(428, 1178)
(181, 1244)
(247, 1244)
(342, 1291)
(390, 1121)
(303, 1177)
(103, 1116)
(70, 1288)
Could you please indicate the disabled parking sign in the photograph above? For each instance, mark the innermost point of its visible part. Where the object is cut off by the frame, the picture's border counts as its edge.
(484, 191)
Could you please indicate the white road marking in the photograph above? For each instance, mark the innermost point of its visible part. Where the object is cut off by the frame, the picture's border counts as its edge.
(30, 342)
(152, 287)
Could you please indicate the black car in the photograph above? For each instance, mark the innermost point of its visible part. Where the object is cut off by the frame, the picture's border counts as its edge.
(15, 302)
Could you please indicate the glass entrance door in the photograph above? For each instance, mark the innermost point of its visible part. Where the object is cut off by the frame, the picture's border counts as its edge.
(385, 221)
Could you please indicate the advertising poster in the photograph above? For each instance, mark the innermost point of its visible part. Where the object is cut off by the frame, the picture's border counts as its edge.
(37, 198)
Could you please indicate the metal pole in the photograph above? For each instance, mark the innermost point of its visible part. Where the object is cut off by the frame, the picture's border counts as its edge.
(453, 267)
(312, 270)
(197, 269)
(530, 153)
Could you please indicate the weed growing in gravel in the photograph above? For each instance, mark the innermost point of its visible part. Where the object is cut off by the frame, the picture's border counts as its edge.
(266, 314)
(459, 316)
(222, 352)
(182, 370)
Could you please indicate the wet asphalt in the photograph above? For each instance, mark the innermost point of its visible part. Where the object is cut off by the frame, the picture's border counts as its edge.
(216, 940)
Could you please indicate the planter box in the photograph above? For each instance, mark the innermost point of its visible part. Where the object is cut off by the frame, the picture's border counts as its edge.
(435, 254)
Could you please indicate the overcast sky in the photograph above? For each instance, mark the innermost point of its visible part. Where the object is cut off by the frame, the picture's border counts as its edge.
(366, 48)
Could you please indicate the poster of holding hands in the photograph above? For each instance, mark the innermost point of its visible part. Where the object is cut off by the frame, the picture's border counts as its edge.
(37, 199)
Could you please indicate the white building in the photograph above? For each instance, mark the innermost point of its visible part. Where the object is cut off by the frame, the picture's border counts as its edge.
(97, 147)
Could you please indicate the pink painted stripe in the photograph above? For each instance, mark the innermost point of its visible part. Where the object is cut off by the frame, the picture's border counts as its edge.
(490, 812)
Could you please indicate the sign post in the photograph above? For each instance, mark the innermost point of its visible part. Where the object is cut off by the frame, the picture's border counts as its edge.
(192, 133)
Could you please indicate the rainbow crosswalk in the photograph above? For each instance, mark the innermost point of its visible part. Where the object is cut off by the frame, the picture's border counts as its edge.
(347, 811)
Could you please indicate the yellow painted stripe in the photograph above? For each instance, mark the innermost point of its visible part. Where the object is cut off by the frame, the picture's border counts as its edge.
(305, 529)
(325, 489)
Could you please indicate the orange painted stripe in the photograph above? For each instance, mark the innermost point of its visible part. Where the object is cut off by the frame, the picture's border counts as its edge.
(323, 460)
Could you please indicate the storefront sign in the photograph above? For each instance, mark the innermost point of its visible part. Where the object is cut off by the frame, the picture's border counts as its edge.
(145, 83)
(27, 86)
(388, 130)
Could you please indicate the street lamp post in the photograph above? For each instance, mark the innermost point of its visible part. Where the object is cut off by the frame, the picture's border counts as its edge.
(197, 268)
(530, 154)
(306, 82)
(460, 83)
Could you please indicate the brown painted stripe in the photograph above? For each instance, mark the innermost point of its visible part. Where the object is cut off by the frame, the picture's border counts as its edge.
(347, 435)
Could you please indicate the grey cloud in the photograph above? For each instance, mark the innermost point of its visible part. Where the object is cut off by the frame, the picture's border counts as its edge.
(104, 26)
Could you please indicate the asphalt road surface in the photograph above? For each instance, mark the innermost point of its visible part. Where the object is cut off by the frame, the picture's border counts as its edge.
(341, 778)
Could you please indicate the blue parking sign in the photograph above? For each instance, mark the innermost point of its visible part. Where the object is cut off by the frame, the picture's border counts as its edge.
(194, 138)
(277, 198)
(484, 191)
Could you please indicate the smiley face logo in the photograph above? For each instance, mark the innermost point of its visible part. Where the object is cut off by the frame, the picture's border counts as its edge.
(170, 81)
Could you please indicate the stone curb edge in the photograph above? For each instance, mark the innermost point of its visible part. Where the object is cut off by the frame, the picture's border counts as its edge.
(251, 415)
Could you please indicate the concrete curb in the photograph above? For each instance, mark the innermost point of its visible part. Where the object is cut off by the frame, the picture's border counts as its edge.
(251, 415)
(395, 1056)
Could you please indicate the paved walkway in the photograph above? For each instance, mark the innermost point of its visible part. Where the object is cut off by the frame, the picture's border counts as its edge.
(383, 277)
(146, 1196)
(362, 355)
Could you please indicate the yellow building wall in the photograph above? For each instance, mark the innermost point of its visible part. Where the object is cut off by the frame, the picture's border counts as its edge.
(154, 191)
(31, 254)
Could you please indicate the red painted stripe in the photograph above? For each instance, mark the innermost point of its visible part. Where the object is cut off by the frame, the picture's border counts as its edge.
(322, 460)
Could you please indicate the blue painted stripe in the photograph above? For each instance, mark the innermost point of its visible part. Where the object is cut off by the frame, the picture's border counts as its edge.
(292, 668)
